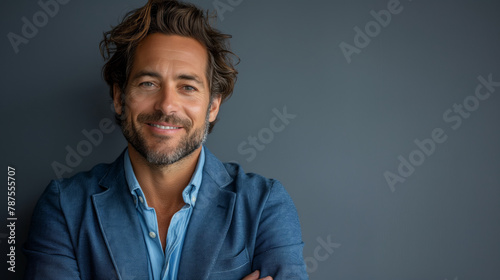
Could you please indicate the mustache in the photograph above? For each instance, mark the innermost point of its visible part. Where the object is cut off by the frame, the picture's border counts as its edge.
(160, 117)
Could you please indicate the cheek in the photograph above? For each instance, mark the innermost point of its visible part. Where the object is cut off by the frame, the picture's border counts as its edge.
(194, 112)
(197, 113)
(135, 106)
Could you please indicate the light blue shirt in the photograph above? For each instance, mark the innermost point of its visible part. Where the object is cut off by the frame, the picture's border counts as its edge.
(164, 265)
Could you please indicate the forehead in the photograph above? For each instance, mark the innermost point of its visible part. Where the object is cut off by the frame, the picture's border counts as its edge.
(169, 53)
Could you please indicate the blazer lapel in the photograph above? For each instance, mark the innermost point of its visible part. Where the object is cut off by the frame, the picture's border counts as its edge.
(209, 221)
(120, 226)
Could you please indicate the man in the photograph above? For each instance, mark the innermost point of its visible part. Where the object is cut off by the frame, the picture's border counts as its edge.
(166, 208)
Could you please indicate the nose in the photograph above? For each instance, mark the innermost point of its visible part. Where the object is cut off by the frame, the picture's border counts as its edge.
(167, 100)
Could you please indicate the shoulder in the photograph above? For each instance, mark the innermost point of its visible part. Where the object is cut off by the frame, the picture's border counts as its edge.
(85, 183)
(231, 177)
(253, 185)
(248, 180)
(82, 180)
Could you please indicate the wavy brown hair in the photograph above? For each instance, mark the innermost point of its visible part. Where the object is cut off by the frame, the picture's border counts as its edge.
(168, 17)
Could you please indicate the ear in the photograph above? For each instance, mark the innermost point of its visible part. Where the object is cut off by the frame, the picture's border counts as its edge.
(117, 99)
(214, 108)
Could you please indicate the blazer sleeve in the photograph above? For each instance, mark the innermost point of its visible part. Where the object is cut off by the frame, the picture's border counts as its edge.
(49, 249)
(278, 247)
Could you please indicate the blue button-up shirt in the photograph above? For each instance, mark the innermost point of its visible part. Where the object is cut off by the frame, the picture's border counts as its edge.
(164, 265)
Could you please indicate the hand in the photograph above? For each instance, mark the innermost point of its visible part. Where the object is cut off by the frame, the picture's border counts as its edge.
(255, 276)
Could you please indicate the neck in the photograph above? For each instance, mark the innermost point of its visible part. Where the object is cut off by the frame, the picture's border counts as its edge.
(163, 185)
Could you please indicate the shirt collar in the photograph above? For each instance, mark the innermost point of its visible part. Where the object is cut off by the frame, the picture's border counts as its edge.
(190, 192)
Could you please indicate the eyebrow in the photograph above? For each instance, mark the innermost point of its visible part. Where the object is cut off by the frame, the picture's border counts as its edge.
(190, 77)
(146, 73)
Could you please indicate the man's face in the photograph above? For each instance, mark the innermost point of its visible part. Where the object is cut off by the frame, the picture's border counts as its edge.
(167, 100)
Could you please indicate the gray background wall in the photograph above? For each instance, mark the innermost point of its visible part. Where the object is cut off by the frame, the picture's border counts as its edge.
(352, 122)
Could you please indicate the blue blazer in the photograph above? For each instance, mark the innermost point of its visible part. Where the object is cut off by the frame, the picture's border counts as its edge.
(86, 227)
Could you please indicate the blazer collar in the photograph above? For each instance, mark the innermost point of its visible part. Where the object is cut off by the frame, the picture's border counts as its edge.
(120, 225)
(215, 169)
(209, 222)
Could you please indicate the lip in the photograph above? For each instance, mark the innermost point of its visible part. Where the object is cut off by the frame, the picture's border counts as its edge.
(164, 128)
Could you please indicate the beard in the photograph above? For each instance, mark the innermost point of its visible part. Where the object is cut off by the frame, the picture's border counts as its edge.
(193, 139)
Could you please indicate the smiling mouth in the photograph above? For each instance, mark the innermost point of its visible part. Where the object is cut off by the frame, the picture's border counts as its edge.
(163, 126)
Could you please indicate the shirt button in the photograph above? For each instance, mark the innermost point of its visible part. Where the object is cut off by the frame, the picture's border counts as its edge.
(193, 199)
(152, 235)
(141, 199)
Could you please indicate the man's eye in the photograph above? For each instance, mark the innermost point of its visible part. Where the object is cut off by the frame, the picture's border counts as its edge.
(146, 84)
(189, 88)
